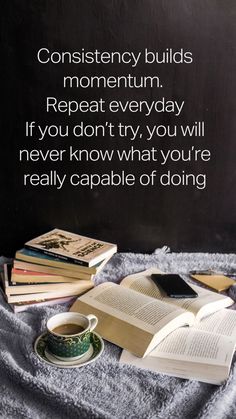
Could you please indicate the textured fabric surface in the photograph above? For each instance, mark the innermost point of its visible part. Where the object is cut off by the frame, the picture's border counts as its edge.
(105, 389)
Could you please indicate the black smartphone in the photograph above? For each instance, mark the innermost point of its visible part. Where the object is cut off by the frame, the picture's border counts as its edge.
(174, 286)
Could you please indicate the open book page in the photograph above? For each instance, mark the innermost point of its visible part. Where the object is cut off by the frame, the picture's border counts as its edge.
(206, 303)
(189, 353)
(137, 309)
(196, 345)
(223, 322)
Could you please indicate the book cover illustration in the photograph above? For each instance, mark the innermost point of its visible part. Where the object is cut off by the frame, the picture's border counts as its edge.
(72, 246)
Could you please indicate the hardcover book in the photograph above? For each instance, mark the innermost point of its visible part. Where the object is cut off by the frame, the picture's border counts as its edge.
(72, 247)
(136, 315)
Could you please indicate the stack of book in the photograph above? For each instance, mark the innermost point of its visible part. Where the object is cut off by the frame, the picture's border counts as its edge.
(54, 268)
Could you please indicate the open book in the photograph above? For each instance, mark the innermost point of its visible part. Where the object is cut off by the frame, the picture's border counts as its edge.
(203, 352)
(137, 316)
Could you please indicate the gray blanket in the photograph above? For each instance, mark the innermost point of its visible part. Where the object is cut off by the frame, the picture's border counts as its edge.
(31, 389)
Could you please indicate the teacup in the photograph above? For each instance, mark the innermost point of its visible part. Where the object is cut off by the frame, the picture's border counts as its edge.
(69, 335)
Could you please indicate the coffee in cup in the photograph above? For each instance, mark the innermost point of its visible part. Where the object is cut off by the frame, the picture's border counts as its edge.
(68, 329)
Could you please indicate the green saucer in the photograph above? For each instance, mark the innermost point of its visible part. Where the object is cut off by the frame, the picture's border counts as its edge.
(96, 349)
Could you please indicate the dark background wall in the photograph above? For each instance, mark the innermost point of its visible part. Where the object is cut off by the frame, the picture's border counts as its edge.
(138, 219)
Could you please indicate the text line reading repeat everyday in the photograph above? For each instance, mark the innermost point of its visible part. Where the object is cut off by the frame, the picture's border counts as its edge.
(94, 106)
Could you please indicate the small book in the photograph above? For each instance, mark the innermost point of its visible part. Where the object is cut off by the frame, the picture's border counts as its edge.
(203, 352)
(216, 282)
(137, 315)
(72, 247)
(37, 258)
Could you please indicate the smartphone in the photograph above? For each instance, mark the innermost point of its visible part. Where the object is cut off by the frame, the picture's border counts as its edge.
(174, 285)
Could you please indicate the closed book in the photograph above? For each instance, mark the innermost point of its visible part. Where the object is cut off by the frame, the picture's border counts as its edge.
(43, 296)
(216, 282)
(28, 292)
(33, 267)
(72, 247)
(22, 306)
(31, 256)
(24, 276)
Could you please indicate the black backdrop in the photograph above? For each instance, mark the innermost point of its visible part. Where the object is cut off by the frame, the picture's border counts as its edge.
(138, 219)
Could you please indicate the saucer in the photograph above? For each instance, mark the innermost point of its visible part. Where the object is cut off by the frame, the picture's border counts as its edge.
(95, 350)
(61, 362)
(52, 357)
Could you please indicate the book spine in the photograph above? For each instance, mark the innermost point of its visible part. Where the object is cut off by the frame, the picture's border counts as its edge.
(65, 258)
